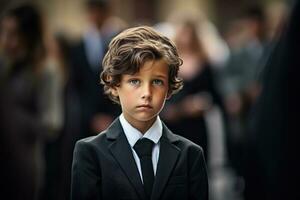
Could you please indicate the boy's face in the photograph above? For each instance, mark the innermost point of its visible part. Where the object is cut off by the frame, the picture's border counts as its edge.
(142, 95)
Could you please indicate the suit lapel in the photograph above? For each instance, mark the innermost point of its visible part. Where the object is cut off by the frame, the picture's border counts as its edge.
(122, 152)
(168, 155)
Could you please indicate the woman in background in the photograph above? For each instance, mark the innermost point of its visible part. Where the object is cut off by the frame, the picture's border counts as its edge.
(185, 112)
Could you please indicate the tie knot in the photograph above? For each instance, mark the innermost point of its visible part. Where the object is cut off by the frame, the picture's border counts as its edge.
(143, 147)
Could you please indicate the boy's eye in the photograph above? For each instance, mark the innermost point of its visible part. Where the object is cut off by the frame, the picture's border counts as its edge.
(134, 81)
(158, 82)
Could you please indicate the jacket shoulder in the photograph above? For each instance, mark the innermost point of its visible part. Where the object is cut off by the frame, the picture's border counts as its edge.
(92, 140)
(181, 142)
(188, 143)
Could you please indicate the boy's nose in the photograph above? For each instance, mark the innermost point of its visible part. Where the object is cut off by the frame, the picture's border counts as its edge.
(146, 93)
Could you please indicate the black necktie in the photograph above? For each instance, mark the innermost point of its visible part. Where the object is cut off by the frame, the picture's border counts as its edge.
(143, 148)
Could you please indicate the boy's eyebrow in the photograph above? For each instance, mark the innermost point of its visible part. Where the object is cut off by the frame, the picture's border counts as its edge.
(155, 75)
(160, 76)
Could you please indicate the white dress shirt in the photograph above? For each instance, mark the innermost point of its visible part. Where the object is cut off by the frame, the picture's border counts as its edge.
(133, 135)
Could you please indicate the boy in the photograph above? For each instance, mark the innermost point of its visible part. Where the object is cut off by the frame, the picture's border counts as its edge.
(138, 157)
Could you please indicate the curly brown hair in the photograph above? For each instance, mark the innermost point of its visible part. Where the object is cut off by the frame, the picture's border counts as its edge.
(128, 52)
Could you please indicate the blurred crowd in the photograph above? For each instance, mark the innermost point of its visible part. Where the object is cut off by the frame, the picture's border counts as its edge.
(50, 95)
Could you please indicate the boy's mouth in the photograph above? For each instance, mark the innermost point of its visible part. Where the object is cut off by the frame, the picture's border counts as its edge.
(145, 106)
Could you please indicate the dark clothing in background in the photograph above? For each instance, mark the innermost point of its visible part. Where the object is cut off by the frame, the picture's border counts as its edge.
(90, 91)
(59, 152)
(22, 132)
(69, 135)
(194, 128)
(272, 157)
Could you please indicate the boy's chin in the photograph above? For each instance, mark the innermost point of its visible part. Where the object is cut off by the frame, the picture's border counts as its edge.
(145, 117)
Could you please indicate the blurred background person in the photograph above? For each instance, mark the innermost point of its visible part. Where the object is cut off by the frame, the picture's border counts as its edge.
(59, 148)
(185, 112)
(96, 111)
(239, 83)
(271, 161)
(26, 120)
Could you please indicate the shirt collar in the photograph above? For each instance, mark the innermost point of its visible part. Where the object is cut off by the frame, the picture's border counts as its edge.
(133, 135)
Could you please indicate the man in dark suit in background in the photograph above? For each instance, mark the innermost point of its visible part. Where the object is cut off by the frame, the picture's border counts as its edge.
(86, 59)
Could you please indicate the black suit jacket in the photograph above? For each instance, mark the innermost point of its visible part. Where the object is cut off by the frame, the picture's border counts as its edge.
(104, 168)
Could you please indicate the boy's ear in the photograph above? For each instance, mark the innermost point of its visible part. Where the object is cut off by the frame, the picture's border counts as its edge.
(114, 91)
